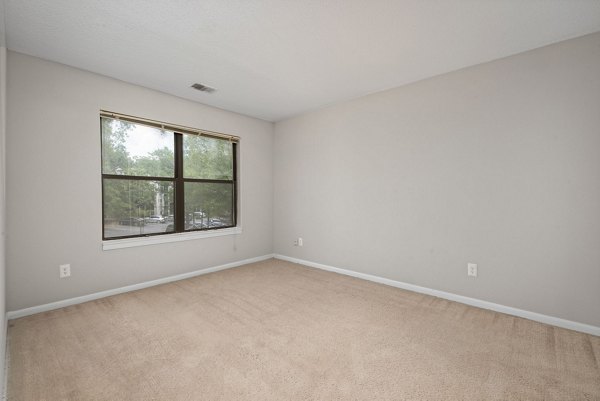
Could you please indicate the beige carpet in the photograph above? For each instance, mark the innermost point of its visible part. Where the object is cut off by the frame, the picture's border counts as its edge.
(280, 331)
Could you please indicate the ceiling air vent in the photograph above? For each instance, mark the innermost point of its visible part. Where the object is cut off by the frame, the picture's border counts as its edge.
(203, 88)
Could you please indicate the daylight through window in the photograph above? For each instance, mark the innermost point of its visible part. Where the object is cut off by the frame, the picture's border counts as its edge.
(159, 181)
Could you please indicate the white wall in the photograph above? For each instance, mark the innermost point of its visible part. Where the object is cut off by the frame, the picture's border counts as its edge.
(54, 184)
(496, 164)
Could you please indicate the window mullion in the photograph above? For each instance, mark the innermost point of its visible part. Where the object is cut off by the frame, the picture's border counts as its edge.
(235, 184)
(179, 196)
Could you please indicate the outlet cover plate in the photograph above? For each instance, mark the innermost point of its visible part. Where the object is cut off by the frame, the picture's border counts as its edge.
(64, 270)
(472, 269)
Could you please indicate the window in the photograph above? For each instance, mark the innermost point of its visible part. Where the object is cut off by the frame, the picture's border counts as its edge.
(159, 179)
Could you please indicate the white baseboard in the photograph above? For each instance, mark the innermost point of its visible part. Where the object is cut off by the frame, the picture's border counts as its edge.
(102, 294)
(6, 360)
(538, 317)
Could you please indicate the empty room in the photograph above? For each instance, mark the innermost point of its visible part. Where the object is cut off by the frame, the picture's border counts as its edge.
(207, 200)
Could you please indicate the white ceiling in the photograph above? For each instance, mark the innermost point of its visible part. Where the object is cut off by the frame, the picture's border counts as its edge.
(273, 59)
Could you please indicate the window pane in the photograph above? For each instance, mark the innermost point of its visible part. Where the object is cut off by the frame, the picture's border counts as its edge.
(208, 205)
(135, 149)
(207, 158)
(137, 207)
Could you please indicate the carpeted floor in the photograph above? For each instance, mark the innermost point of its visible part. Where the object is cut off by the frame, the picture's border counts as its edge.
(280, 331)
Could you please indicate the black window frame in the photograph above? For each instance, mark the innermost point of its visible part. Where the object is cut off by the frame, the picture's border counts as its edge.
(178, 186)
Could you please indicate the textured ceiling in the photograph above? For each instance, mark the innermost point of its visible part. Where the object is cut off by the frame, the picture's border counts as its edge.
(277, 58)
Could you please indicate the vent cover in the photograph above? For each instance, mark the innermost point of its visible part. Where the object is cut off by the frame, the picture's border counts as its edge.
(203, 88)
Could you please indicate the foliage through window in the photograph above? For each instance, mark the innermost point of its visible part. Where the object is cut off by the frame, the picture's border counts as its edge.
(158, 181)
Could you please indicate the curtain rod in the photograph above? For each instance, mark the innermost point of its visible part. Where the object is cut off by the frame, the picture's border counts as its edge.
(167, 126)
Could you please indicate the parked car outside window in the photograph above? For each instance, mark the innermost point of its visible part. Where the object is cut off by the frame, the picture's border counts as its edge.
(155, 219)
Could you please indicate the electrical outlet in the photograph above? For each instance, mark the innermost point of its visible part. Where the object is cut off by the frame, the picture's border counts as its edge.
(64, 271)
(472, 269)
(295, 242)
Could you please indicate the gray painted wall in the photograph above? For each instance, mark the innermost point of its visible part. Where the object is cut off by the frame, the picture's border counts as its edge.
(54, 185)
(496, 164)
(2, 207)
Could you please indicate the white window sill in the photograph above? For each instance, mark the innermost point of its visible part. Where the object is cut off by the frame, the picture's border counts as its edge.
(163, 239)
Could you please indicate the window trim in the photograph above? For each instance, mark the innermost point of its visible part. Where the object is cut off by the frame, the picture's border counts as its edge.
(178, 181)
(130, 242)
